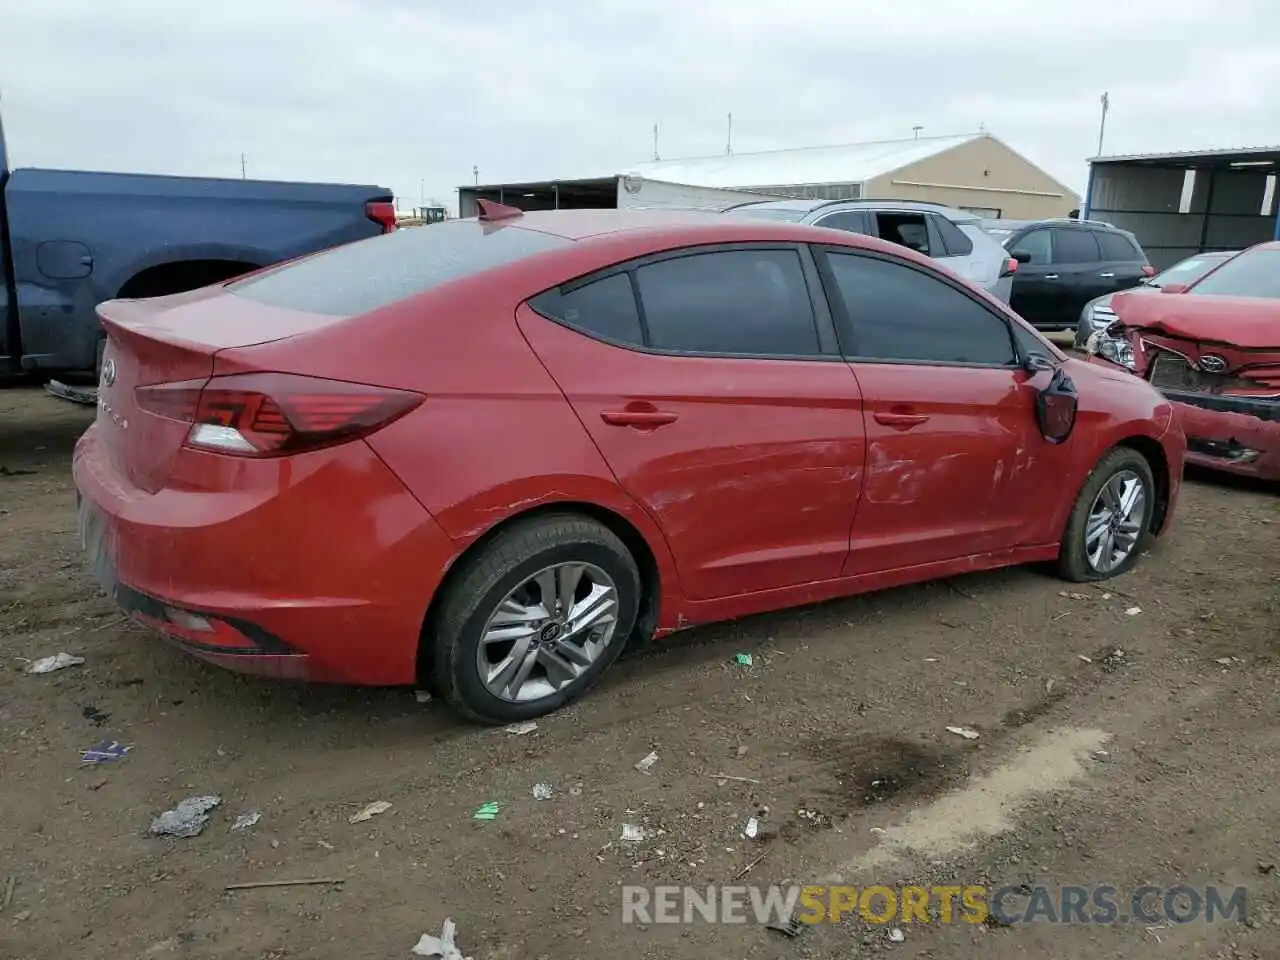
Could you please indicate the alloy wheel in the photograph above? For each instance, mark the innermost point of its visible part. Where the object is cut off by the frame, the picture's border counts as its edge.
(547, 632)
(1116, 521)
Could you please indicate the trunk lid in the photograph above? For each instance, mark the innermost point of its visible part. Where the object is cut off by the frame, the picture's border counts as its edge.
(173, 340)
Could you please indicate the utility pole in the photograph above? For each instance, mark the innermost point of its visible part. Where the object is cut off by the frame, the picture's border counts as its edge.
(728, 143)
(655, 142)
(1102, 126)
(475, 172)
(244, 167)
(916, 131)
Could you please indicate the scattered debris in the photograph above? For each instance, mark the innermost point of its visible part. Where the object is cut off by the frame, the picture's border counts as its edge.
(752, 828)
(94, 715)
(110, 623)
(896, 936)
(1102, 756)
(56, 662)
(1049, 684)
(645, 765)
(520, 729)
(9, 472)
(8, 892)
(107, 751)
(967, 732)
(930, 660)
(722, 777)
(86, 398)
(743, 659)
(632, 833)
(1074, 596)
(247, 820)
(187, 819)
(422, 696)
(749, 867)
(443, 946)
(1085, 658)
(1228, 661)
(257, 884)
(789, 927)
(371, 811)
(1264, 868)
(486, 811)
(1133, 611)
(22, 915)
(542, 791)
(576, 789)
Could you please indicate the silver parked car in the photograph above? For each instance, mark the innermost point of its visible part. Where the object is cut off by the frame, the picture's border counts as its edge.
(952, 237)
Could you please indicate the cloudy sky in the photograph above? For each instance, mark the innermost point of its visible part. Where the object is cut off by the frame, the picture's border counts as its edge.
(413, 94)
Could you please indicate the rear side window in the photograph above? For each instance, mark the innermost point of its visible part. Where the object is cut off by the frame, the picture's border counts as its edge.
(605, 308)
(752, 302)
(363, 276)
(1116, 246)
(953, 238)
(905, 315)
(1075, 246)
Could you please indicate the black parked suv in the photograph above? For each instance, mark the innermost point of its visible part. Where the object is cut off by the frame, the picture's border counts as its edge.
(1063, 264)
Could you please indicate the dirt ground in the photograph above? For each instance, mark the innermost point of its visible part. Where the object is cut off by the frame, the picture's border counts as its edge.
(1156, 760)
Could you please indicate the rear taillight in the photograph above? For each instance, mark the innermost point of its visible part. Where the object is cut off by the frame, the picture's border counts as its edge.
(274, 414)
(383, 213)
(1148, 270)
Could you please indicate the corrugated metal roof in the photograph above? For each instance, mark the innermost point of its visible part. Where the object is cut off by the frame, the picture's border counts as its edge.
(1216, 152)
(850, 163)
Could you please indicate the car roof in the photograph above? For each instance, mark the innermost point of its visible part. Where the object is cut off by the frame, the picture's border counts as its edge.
(808, 206)
(680, 224)
(1014, 225)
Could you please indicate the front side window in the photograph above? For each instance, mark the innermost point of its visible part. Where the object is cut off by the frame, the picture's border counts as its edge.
(1036, 245)
(903, 314)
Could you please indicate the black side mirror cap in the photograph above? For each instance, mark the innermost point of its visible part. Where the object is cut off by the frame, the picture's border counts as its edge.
(1022, 256)
(1056, 408)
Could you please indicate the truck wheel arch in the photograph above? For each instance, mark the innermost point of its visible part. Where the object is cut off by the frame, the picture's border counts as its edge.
(179, 276)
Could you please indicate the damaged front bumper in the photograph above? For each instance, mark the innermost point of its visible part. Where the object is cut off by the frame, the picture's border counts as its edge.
(1238, 434)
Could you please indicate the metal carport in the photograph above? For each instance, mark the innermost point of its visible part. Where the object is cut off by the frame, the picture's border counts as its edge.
(1180, 204)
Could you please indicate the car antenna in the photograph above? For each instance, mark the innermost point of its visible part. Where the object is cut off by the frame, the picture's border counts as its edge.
(489, 210)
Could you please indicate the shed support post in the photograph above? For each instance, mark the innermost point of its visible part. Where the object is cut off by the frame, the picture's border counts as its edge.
(1208, 209)
(1088, 193)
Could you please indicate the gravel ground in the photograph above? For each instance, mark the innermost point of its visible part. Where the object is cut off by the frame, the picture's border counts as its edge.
(1155, 760)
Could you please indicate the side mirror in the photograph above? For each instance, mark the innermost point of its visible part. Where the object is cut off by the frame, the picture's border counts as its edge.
(1022, 256)
(1056, 407)
(1035, 363)
(1173, 288)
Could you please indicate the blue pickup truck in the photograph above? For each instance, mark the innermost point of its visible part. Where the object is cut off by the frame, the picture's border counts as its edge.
(71, 239)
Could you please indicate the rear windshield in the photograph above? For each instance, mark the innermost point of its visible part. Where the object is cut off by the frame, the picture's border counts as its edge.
(363, 276)
(1255, 273)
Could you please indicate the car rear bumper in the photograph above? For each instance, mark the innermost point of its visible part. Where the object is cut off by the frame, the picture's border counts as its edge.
(1240, 435)
(316, 567)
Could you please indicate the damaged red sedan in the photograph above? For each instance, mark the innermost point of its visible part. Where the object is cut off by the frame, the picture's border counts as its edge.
(488, 455)
(1214, 352)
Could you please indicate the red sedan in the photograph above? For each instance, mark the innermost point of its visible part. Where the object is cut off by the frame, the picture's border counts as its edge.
(489, 454)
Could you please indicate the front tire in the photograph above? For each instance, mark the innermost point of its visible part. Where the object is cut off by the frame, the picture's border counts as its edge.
(534, 618)
(1110, 524)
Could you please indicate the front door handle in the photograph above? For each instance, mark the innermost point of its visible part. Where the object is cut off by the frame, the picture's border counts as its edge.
(901, 421)
(1051, 276)
(1107, 275)
(638, 418)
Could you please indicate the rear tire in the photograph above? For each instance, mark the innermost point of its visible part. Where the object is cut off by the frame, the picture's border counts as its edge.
(1083, 555)
(517, 580)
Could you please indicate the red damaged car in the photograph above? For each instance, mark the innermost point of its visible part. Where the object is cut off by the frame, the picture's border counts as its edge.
(489, 454)
(1215, 352)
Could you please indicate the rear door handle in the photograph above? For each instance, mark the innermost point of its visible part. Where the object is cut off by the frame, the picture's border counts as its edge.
(638, 418)
(1051, 276)
(1108, 275)
(901, 421)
